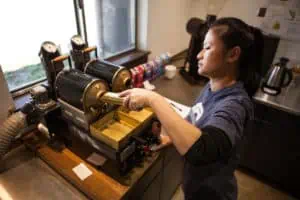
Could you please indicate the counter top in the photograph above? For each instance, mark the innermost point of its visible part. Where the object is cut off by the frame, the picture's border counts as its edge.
(288, 100)
(178, 89)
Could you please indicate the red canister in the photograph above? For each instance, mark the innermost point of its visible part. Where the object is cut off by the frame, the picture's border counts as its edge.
(139, 76)
(134, 73)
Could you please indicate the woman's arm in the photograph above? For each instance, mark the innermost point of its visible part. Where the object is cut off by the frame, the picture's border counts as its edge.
(164, 138)
(182, 133)
(212, 142)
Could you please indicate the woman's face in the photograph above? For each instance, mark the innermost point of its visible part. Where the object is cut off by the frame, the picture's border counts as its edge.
(211, 59)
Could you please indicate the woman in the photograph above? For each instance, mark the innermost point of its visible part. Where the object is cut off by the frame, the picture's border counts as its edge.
(210, 137)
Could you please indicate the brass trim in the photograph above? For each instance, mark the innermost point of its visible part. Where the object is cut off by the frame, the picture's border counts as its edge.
(87, 88)
(114, 83)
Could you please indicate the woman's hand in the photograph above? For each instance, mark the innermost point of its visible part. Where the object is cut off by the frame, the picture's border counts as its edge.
(164, 139)
(136, 99)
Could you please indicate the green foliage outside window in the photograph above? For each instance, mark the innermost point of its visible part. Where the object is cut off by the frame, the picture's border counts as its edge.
(24, 75)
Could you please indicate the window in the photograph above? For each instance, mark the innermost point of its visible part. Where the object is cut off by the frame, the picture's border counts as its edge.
(25, 25)
(111, 25)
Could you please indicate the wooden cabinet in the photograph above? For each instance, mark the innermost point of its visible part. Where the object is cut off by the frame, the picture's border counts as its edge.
(272, 147)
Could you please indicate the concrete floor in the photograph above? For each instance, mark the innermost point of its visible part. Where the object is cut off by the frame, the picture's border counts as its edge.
(250, 188)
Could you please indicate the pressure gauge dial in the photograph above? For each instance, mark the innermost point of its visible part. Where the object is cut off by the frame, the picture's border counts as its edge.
(49, 47)
(77, 42)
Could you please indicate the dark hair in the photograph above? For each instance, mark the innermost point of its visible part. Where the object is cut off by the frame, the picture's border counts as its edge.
(234, 32)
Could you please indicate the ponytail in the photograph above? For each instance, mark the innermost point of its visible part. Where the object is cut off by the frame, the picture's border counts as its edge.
(250, 40)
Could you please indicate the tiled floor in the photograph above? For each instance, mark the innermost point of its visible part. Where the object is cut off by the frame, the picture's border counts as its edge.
(250, 188)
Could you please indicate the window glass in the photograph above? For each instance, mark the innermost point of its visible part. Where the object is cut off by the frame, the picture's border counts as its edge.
(25, 25)
(111, 25)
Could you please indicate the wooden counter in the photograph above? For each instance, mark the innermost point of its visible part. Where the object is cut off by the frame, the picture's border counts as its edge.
(157, 177)
(99, 185)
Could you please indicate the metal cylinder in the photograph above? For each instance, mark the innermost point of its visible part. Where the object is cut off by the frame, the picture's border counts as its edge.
(119, 78)
(80, 90)
(79, 57)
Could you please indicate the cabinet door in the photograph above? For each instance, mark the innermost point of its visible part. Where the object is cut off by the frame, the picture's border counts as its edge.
(149, 185)
(172, 176)
(272, 150)
(251, 132)
(263, 150)
(153, 191)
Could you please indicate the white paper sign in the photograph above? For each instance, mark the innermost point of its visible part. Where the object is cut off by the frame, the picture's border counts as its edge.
(82, 171)
(276, 11)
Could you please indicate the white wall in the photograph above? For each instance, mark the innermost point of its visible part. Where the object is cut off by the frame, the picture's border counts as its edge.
(161, 26)
(289, 49)
(199, 8)
(166, 26)
(243, 9)
(162, 23)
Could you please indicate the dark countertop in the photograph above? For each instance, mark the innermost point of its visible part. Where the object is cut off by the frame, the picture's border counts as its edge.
(288, 100)
(178, 89)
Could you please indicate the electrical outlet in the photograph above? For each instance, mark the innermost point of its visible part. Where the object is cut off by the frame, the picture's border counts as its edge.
(262, 12)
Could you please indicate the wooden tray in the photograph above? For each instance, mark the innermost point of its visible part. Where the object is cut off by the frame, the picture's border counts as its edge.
(115, 128)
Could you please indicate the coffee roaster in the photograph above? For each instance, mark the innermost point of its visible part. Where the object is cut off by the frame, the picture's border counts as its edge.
(95, 116)
(83, 103)
(85, 106)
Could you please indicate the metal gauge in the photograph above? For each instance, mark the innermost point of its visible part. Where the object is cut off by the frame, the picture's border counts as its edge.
(49, 47)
